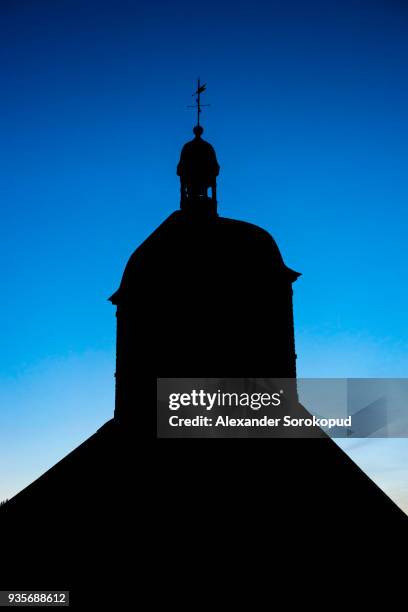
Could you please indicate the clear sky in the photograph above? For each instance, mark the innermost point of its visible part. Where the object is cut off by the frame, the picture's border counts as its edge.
(309, 120)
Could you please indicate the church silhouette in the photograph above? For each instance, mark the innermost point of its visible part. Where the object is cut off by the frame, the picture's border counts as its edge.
(202, 296)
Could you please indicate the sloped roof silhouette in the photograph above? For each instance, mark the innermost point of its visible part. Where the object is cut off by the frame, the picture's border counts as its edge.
(80, 525)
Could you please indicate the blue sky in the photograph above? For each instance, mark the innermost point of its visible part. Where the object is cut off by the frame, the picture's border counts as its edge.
(309, 119)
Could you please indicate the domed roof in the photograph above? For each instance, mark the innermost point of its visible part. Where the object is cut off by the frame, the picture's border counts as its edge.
(223, 250)
(198, 160)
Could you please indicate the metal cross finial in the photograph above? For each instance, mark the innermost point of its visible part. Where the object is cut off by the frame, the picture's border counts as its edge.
(198, 105)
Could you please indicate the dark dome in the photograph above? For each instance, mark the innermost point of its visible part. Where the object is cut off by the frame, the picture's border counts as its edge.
(217, 248)
(198, 161)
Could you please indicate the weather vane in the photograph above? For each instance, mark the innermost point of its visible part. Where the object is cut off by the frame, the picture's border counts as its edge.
(198, 105)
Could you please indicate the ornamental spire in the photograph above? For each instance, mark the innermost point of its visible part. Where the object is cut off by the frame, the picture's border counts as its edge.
(200, 89)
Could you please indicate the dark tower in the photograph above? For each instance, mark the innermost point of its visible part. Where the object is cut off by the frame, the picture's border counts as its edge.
(202, 296)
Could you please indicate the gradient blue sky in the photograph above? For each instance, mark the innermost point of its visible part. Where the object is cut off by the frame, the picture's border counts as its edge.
(309, 119)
